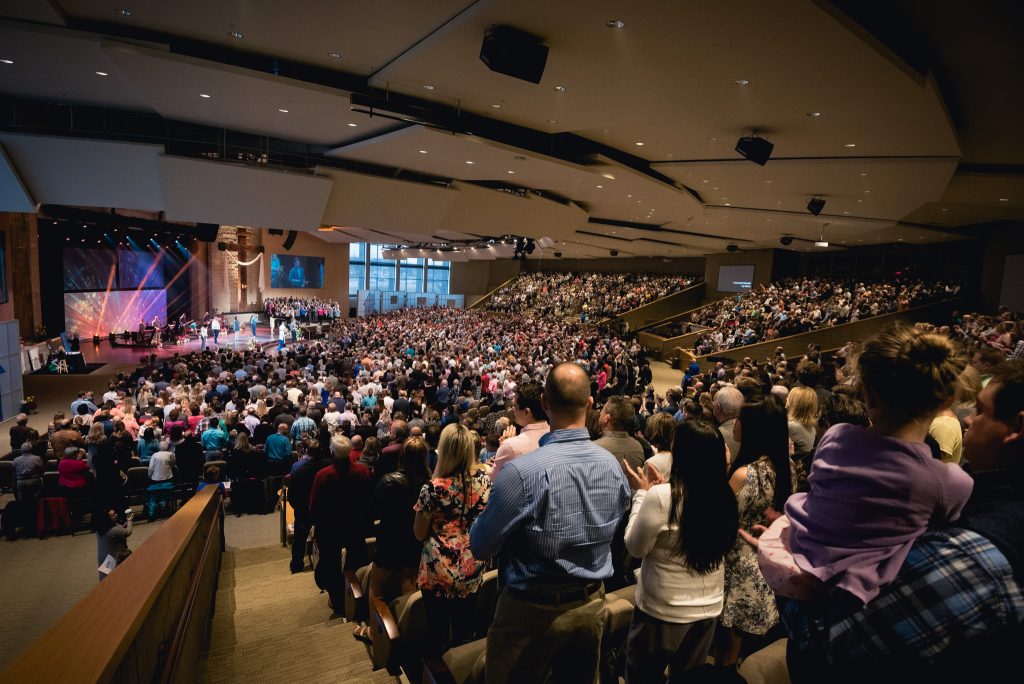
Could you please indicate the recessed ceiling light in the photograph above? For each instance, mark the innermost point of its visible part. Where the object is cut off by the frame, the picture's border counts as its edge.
(850, 145)
(768, 181)
(704, 181)
(1004, 199)
(123, 12)
(860, 200)
(428, 87)
(945, 209)
(615, 23)
(741, 81)
(714, 187)
(237, 35)
(511, 171)
(629, 196)
(423, 151)
(495, 106)
(552, 121)
(727, 204)
(102, 73)
(867, 192)
(7, 61)
(559, 89)
(846, 212)
(814, 115)
(608, 176)
(600, 186)
(205, 95)
(334, 55)
(638, 144)
(352, 125)
(864, 174)
(469, 162)
(283, 111)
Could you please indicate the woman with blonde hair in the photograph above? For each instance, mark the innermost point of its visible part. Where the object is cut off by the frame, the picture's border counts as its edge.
(448, 504)
(802, 414)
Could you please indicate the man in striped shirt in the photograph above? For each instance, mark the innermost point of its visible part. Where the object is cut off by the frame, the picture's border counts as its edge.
(551, 517)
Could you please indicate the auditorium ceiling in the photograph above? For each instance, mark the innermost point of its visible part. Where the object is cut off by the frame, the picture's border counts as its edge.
(378, 121)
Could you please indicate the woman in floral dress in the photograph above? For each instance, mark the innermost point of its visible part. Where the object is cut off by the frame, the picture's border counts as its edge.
(449, 575)
(763, 433)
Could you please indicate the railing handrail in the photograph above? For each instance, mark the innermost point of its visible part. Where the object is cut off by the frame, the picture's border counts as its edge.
(89, 643)
(660, 299)
(869, 319)
(487, 296)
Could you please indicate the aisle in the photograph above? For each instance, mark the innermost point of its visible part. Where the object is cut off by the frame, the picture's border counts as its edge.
(272, 626)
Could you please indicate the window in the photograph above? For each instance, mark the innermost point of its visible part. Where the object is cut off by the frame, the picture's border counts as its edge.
(410, 275)
(356, 267)
(382, 271)
(438, 276)
(356, 277)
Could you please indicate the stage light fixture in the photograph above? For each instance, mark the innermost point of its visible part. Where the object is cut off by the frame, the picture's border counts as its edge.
(755, 148)
(815, 205)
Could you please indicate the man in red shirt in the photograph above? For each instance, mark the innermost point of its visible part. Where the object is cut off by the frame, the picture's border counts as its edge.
(338, 508)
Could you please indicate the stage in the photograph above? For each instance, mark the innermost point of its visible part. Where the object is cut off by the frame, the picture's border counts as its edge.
(105, 352)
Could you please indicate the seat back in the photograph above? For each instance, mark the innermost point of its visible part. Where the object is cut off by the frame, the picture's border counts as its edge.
(223, 465)
(8, 480)
(486, 602)
(393, 629)
(138, 479)
(51, 484)
(616, 626)
(51, 465)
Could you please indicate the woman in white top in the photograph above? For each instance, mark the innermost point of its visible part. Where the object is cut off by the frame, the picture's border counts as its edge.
(682, 529)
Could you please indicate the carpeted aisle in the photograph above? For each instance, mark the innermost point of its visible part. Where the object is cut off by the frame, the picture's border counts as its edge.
(270, 625)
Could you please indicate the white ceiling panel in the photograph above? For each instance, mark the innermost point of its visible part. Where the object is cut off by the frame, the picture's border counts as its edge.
(240, 99)
(14, 196)
(364, 201)
(92, 173)
(220, 192)
(482, 211)
(887, 188)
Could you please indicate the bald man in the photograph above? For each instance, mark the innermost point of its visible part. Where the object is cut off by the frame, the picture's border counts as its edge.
(552, 515)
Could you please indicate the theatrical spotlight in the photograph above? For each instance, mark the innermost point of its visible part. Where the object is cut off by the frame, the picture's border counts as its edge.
(755, 148)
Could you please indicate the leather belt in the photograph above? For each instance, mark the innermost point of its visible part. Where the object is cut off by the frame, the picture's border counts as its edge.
(584, 592)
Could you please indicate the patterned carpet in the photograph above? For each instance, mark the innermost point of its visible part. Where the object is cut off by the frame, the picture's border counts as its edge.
(270, 625)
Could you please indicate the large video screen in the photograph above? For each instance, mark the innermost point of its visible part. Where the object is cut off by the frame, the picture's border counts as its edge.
(100, 313)
(735, 278)
(89, 269)
(290, 271)
(139, 269)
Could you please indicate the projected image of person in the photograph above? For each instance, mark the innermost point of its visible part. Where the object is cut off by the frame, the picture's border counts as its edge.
(297, 275)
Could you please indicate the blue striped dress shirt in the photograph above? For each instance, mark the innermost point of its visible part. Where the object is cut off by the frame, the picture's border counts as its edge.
(552, 515)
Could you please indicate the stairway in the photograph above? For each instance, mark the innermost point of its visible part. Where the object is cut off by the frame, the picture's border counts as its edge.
(271, 625)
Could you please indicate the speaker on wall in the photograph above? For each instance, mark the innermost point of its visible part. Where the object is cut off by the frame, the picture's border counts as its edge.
(290, 239)
(206, 232)
(515, 53)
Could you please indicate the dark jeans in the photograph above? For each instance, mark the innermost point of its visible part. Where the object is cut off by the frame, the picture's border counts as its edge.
(654, 645)
(450, 621)
(299, 544)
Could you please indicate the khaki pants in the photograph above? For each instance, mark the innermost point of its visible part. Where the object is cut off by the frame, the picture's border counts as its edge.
(527, 641)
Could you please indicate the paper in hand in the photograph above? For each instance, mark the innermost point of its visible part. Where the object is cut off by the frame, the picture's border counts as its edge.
(109, 563)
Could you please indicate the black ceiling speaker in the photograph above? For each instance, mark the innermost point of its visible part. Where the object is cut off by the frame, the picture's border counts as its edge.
(207, 232)
(515, 53)
(290, 239)
(754, 148)
(815, 205)
(732, 248)
(558, 255)
(614, 252)
(786, 240)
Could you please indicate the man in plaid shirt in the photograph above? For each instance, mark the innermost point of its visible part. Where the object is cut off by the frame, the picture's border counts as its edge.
(956, 611)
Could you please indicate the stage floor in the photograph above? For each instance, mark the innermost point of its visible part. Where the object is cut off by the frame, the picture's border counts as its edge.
(105, 352)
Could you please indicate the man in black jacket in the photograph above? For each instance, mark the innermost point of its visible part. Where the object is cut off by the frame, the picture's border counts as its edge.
(299, 486)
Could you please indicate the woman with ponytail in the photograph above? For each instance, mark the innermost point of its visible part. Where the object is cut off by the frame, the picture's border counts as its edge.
(682, 530)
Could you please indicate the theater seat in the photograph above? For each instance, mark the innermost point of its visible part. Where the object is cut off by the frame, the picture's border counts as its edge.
(357, 591)
(462, 665)
(767, 666)
(486, 602)
(399, 631)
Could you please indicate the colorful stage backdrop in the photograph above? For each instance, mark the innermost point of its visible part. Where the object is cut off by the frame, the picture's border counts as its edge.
(100, 313)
